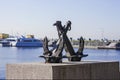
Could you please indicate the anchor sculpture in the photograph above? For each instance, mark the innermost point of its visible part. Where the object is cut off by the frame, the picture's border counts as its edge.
(55, 55)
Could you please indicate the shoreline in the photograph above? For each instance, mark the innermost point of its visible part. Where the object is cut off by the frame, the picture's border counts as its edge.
(87, 47)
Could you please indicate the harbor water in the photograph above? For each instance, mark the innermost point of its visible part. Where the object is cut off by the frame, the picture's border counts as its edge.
(10, 55)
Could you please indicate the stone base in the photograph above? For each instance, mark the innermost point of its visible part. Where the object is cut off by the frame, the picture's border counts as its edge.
(86, 70)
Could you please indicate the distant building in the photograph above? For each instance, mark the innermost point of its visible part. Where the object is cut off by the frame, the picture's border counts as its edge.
(3, 35)
(30, 36)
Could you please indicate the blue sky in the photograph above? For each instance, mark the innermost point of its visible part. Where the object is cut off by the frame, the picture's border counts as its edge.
(94, 19)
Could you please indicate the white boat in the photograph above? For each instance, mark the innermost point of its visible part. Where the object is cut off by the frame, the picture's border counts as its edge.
(8, 42)
(22, 42)
(112, 45)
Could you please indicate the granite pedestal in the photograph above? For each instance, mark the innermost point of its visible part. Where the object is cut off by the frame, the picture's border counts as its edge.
(85, 70)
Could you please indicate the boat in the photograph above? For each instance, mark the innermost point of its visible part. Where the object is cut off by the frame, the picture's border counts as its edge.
(112, 45)
(22, 42)
(28, 42)
(8, 41)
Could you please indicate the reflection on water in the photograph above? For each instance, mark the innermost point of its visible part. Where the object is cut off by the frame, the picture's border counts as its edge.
(18, 55)
(102, 54)
(30, 54)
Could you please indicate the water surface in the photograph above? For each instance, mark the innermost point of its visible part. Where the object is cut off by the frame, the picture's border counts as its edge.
(10, 55)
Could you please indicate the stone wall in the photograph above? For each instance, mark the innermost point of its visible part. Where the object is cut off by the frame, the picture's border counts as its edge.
(85, 70)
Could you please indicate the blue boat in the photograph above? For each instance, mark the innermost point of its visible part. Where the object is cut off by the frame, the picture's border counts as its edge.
(28, 42)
